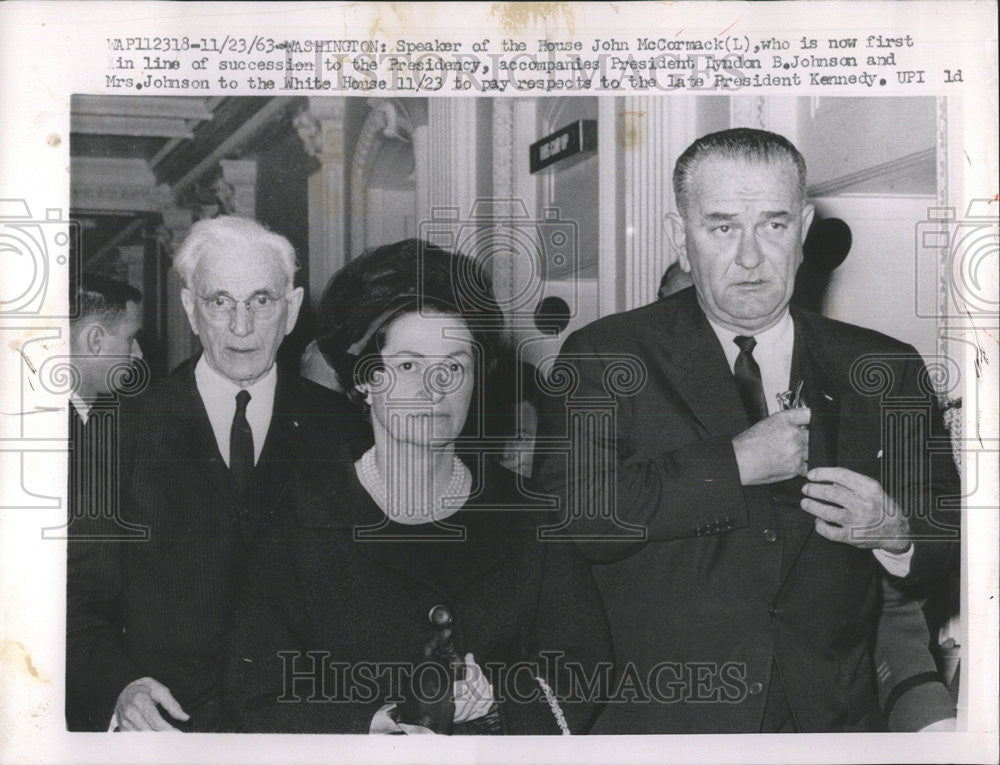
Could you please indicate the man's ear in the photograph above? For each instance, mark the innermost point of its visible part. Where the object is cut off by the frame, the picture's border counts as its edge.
(807, 216)
(187, 300)
(93, 339)
(294, 304)
(674, 225)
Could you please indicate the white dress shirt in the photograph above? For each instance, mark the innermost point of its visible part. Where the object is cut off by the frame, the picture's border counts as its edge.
(773, 354)
(219, 396)
(81, 406)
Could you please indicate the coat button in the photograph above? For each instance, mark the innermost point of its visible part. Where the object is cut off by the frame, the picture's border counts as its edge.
(774, 611)
(756, 689)
(770, 535)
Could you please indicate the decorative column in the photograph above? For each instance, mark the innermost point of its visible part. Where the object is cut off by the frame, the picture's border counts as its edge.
(514, 189)
(447, 174)
(321, 127)
(653, 132)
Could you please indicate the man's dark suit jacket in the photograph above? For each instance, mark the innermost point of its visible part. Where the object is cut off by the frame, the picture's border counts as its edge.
(162, 607)
(92, 467)
(727, 576)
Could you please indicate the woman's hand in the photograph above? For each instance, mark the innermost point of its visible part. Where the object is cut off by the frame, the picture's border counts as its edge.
(473, 693)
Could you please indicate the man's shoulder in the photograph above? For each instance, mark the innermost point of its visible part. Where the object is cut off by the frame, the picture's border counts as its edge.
(310, 396)
(325, 419)
(166, 394)
(840, 335)
(629, 327)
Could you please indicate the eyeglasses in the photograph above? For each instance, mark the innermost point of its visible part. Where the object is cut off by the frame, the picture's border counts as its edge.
(261, 305)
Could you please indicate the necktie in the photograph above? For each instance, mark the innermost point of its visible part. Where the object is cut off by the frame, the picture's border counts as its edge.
(747, 375)
(241, 445)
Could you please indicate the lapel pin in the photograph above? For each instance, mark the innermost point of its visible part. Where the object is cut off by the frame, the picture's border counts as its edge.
(879, 455)
(827, 396)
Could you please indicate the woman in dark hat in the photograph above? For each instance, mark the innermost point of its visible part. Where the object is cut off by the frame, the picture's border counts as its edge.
(416, 594)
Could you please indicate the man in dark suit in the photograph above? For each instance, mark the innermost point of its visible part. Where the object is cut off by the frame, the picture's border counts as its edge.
(107, 319)
(738, 542)
(205, 457)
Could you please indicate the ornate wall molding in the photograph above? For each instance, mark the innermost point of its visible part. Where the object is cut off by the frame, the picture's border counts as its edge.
(320, 126)
(388, 119)
(884, 172)
(114, 185)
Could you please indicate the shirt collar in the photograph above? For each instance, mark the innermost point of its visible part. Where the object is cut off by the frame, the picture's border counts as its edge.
(214, 387)
(775, 339)
(81, 406)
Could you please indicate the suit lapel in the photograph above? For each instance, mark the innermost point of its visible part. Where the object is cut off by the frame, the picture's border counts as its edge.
(192, 435)
(699, 371)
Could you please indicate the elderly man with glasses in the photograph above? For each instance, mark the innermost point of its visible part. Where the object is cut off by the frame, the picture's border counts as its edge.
(207, 454)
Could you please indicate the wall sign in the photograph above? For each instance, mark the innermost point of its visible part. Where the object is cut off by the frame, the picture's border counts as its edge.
(575, 138)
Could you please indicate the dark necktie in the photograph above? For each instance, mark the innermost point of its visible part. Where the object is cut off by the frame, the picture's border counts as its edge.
(747, 375)
(241, 445)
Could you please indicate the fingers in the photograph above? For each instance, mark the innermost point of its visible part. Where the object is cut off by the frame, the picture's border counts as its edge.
(150, 714)
(832, 532)
(136, 707)
(831, 492)
(161, 694)
(829, 513)
(844, 477)
(799, 417)
(141, 714)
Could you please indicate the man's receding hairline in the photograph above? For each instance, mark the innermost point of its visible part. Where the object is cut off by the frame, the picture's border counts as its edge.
(275, 259)
(698, 163)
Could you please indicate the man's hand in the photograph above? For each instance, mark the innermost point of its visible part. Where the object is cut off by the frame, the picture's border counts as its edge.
(136, 706)
(774, 449)
(861, 515)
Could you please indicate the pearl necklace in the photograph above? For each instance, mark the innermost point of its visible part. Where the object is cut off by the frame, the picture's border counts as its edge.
(456, 493)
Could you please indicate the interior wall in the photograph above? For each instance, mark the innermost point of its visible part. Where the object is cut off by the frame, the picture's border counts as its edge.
(282, 202)
(876, 285)
(845, 136)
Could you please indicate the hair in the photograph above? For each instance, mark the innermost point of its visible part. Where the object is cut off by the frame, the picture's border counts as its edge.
(213, 234)
(101, 298)
(366, 296)
(674, 279)
(747, 144)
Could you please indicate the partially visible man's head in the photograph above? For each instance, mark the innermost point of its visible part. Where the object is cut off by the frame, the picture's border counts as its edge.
(674, 279)
(743, 219)
(238, 294)
(103, 334)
